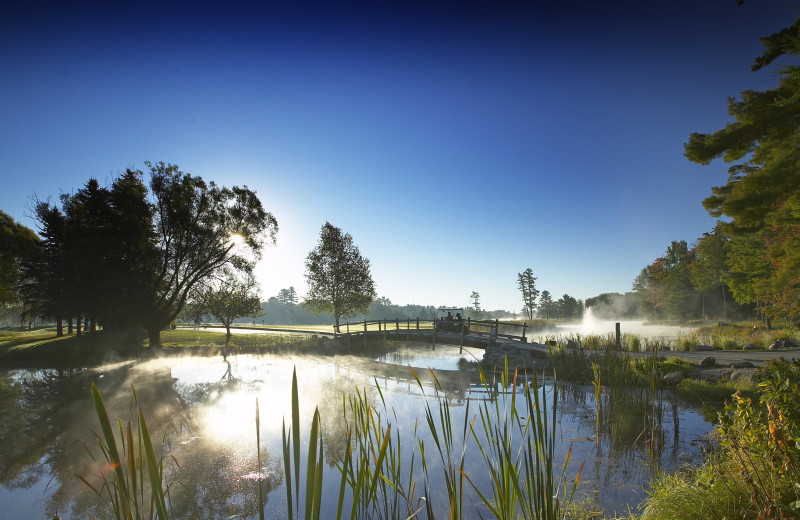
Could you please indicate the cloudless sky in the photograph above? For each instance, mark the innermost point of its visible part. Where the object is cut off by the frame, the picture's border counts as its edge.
(458, 143)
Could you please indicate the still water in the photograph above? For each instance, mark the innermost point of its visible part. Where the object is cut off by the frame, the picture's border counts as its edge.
(204, 410)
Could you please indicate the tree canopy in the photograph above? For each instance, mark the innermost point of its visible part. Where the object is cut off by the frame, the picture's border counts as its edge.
(338, 276)
(229, 299)
(17, 244)
(761, 199)
(128, 256)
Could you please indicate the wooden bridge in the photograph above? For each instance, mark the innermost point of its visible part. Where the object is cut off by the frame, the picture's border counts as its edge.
(464, 333)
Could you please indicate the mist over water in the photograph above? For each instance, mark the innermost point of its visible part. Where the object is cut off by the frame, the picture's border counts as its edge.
(595, 326)
(204, 409)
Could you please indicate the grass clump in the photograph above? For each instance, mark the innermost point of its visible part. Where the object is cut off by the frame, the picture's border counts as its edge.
(703, 392)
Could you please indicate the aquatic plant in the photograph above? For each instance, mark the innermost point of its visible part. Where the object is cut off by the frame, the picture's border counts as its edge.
(132, 477)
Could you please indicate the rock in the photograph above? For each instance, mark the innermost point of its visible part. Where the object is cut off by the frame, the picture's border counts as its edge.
(790, 343)
(778, 344)
(708, 362)
(746, 375)
(664, 348)
(673, 378)
(742, 364)
(750, 346)
(703, 348)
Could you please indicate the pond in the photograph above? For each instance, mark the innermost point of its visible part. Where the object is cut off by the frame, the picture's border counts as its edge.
(204, 410)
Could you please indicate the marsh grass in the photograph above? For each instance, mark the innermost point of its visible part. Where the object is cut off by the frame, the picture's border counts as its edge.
(132, 476)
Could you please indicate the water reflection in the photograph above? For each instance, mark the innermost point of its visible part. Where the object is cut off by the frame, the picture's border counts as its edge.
(204, 410)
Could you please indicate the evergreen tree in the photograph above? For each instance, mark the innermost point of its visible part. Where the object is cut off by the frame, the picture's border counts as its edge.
(526, 283)
(762, 195)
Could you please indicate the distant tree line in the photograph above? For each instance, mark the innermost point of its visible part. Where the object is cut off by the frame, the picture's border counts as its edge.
(565, 308)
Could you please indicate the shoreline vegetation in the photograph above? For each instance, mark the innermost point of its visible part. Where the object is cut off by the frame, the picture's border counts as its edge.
(752, 470)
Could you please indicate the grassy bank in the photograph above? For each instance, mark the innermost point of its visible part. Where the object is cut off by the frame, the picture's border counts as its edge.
(41, 347)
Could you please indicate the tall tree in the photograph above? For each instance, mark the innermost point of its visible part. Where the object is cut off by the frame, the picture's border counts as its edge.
(338, 277)
(526, 283)
(762, 195)
(475, 305)
(546, 305)
(710, 267)
(569, 308)
(201, 228)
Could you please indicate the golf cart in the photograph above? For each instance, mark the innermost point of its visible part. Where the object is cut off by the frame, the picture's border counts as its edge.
(450, 319)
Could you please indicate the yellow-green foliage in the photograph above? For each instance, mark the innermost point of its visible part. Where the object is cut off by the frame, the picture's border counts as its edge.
(633, 342)
(592, 342)
(756, 470)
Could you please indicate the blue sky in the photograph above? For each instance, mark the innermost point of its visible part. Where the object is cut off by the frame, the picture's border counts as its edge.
(458, 143)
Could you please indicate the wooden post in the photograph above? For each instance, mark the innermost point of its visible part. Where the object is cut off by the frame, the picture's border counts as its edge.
(397, 323)
(524, 326)
(461, 345)
(417, 322)
(408, 330)
(619, 343)
(433, 344)
(384, 331)
(365, 333)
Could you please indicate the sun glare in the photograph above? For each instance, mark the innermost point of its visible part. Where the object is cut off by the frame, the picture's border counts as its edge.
(236, 240)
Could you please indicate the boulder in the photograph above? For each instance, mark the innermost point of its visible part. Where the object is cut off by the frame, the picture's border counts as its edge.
(708, 362)
(703, 348)
(791, 344)
(778, 344)
(742, 364)
(750, 346)
(673, 378)
(747, 375)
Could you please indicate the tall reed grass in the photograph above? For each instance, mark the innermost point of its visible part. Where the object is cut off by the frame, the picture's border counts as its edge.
(510, 436)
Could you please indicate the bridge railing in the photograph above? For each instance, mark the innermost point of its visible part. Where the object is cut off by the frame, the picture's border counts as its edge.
(491, 328)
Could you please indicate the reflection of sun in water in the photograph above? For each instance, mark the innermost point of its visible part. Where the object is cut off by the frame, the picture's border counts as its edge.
(232, 415)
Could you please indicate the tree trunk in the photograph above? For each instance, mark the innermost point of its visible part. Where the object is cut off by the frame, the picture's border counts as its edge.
(78, 326)
(724, 306)
(154, 335)
(59, 328)
(227, 341)
(69, 325)
(336, 326)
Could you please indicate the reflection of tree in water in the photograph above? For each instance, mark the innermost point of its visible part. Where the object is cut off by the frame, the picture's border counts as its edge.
(46, 411)
(331, 409)
(214, 480)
